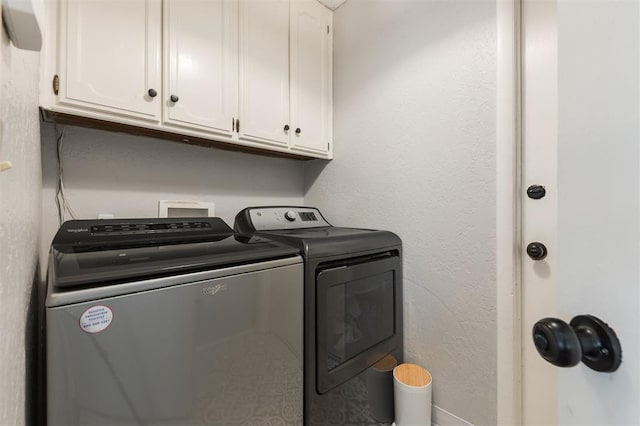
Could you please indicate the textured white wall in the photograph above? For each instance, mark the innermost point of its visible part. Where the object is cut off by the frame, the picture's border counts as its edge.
(125, 175)
(20, 192)
(415, 143)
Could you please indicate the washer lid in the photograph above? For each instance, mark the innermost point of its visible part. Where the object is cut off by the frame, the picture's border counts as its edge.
(95, 235)
(88, 257)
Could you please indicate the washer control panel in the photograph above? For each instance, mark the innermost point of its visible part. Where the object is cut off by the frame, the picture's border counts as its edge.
(272, 218)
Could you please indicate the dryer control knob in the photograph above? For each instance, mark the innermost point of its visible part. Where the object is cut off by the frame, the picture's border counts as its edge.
(290, 215)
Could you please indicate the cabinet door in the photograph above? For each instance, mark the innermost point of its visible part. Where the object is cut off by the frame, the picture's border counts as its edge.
(110, 56)
(310, 76)
(264, 71)
(201, 64)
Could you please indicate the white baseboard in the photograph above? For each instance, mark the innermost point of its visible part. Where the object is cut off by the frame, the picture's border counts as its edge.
(440, 417)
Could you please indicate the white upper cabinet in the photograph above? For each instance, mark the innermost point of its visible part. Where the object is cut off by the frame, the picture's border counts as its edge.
(310, 76)
(252, 73)
(109, 56)
(264, 71)
(285, 74)
(201, 64)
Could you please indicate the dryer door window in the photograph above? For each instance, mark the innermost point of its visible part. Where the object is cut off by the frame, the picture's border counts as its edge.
(359, 315)
(357, 318)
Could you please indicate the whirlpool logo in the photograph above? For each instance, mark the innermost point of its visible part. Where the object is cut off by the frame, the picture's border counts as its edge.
(213, 290)
(76, 230)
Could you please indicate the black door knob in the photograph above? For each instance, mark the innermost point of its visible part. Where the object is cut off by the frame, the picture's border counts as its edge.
(298, 131)
(586, 338)
(556, 342)
(536, 192)
(286, 127)
(536, 251)
(174, 98)
(152, 93)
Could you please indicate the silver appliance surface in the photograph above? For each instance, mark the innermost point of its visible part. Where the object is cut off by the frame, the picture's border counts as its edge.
(206, 347)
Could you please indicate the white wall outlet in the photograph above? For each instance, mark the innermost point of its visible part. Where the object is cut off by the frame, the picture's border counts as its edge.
(169, 208)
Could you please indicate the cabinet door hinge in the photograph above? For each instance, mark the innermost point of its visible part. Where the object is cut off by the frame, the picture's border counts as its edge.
(56, 84)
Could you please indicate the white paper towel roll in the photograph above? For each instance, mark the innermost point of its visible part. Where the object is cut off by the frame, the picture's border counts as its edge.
(412, 395)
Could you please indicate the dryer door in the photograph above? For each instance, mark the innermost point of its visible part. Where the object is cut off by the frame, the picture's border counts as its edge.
(358, 317)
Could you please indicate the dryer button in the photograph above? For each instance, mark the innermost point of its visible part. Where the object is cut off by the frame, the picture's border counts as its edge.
(290, 216)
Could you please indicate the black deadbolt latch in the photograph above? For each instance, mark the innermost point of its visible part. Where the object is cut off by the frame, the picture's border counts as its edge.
(536, 251)
(536, 192)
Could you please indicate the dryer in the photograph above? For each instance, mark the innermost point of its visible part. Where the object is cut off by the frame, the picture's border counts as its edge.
(353, 312)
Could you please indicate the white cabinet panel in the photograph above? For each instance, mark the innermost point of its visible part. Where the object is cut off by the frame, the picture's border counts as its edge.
(245, 72)
(264, 71)
(110, 56)
(201, 64)
(310, 76)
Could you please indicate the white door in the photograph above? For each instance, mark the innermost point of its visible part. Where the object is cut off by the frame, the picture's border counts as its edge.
(201, 64)
(111, 69)
(310, 76)
(264, 71)
(581, 142)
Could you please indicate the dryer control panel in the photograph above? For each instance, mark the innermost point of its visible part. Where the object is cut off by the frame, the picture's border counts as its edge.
(254, 219)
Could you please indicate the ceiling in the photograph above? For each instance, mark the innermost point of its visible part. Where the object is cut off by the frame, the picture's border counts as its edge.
(332, 4)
